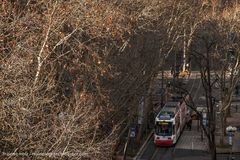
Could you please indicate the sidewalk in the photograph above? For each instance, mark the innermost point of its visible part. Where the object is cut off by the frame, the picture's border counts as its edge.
(236, 142)
(234, 121)
(190, 143)
(191, 140)
(203, 157)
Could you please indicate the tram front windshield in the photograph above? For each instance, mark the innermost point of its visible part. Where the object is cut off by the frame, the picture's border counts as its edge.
(164, 128)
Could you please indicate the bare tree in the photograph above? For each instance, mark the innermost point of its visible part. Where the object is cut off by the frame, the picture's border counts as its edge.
(53, 63)
(227, 60)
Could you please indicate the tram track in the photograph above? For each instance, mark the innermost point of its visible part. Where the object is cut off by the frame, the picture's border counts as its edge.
(197, 91)
(194, 80)
(161, 153)
(193, 85)
(155, 153)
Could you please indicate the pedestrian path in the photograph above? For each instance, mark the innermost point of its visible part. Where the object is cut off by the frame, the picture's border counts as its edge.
(234, 121)
(236, 142)
(191, 140)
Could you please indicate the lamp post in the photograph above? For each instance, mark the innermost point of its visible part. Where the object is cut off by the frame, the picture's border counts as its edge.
(162, 95)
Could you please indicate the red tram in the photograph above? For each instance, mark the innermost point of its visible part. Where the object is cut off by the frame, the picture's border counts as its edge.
(170, 121)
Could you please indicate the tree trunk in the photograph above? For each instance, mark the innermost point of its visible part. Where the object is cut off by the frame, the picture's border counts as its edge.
(143, 126)
(224, 124)
(222, 129)
(126, 146)
(213, 152)
(228, 111)
(212, 146)
(223, 119)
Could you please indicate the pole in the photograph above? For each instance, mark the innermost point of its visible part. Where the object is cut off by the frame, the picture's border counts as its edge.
(201, 133)
(162, 88)
(126, 146)
(174, 73)
(198, 123)
(184, 51)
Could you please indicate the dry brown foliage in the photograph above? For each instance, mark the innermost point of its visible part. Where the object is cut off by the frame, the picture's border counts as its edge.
(53, 56)
(72, 70)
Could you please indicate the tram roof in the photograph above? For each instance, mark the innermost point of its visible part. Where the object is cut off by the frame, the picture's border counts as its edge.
(169, 110)
(172, 104)
(178, 98)
(171, 107)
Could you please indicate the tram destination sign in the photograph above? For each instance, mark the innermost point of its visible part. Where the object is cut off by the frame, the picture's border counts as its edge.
(165, 117)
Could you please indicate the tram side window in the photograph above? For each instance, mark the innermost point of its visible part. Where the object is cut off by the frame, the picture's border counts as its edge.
(177, 126)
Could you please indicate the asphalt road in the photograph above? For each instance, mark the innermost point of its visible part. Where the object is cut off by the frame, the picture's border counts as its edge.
(150, 151)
